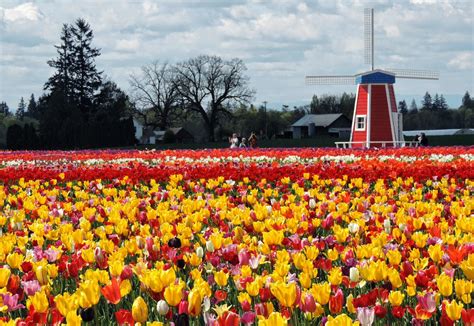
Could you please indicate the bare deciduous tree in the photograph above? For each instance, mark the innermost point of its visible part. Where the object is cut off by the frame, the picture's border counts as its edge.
(155, 95)
(209, 85)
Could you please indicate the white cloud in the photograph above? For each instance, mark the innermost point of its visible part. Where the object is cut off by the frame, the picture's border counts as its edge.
(280, 41)
(26, 11)
(422, 2)
(392, 31)
(128, 44)
(149, 7)
(464, 60)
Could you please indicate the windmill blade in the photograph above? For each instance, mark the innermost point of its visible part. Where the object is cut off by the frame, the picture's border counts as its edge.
(330, 80)
(414, 73)
(369, 36)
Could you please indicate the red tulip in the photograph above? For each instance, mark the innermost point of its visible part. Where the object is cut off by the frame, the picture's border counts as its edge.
(467, 316)
(124, 317)
(229, 318)
(183, 307)
(336, 302)
(380, 311)
(398, 312)
(220, 295)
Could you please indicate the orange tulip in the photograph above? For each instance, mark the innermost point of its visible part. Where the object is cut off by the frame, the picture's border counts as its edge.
(112, 292)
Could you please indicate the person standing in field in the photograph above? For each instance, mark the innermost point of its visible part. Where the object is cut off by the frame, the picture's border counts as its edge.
(253, 140)
(234, 141)
(423, 139)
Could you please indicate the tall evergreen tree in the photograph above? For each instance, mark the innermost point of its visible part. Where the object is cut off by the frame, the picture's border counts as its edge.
(86, 78)
(467, 101)
(413, 107)
(402, 107)
(427, 103)
(4, 109)
(443, 105)
(32, 109)
(61, 81)
(20, 111)
(436, 106)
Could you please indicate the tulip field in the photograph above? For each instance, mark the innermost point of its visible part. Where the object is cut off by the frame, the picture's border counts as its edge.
(237, 237)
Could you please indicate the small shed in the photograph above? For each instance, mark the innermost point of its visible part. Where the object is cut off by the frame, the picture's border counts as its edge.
(311, 125)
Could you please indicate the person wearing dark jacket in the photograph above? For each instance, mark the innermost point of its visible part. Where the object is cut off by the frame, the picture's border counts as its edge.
(423, 140)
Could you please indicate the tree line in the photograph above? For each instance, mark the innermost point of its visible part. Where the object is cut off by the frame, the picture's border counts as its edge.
(435, 113)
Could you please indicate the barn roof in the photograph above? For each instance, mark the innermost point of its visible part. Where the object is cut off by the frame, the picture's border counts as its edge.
(319, 120)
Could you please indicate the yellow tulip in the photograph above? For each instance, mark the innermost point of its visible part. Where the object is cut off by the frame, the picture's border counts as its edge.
(333, 254)
(73, 319)
(394, 278)
(116, 268)
(42, 275)
(89, 293)
(66, 303)
(221, 278)
(285, 293)
(436, 252)
(321, 293)
(396, 298)
(174, 294)
(467, 267)
(14, 260)
(40, 302)
(4, 276)
(242, 297)
(453, 310)
(305, 280)
(125, 287)
(335, 276)
(275, 319)
(340, 320)
(139, 310)
(394, 257)
(253, 288)
(445, 285)
(350, 304)
(463, 290)
(194, 302)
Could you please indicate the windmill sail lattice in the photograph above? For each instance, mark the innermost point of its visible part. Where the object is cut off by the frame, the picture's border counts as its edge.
(369, 37)
(330, 80)
(376, 119)
(414, 73)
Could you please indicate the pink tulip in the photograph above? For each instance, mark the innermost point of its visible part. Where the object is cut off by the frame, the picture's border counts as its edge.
(244, 257)
(31, 287)
(248, 317)
(11, 301)
(365, 315)
(427, 302)
(309, 304)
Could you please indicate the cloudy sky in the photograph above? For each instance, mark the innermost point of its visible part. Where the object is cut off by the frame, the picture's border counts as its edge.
(280, 41)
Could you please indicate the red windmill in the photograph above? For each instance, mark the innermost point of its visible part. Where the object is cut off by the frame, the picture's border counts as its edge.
(376, 121)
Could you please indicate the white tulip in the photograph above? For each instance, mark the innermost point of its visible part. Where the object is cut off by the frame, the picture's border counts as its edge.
(200, 252)
(353, 227)
(354, 274)
(210, 246)
(162, 307)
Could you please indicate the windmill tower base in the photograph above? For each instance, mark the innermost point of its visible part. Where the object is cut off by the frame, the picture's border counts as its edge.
(376, 122)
